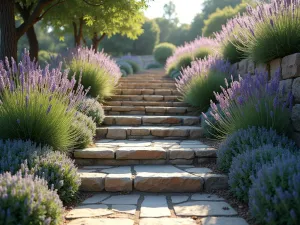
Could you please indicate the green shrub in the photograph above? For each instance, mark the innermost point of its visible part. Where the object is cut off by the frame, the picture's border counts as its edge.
(154, 66)
(60, 173)
(274, 198)
(209, 131)
(247, 164)
(93, 76)
(231, 53)
(249, 139)
(124, 74)
(92, 108)
(202, 53)
(45, 57)
(175, 73)
(16, 152)
(184, 62)
(126, 66)
(85, 128)
(135, 66)
(27, 201)
(163, 51)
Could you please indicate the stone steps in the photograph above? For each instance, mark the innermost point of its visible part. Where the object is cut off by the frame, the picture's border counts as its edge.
(147, 152)
(150, 178)
(149, 132)
(150, 98)
(147, 84)
(147, 110)
(152, 120)
(163, 92)
(145, 103)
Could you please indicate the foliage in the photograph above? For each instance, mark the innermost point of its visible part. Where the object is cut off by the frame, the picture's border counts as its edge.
(246, 165)
(203, 52)
(60, 173)
(135, 66)
(126, 66)
(14, 153)
(93, 109)
(274, 195)
(163, 51)
(27, 200)
(209, 132)
(196, 27)
(166, 28)
(199, 82)
(145, 44)
(175, 73)
(275, 25)
(184, 61)
(154, 66)
(38, 105)
(45, 57)
(85, 128)
(252, 101)
(124, 73)
(247, 139)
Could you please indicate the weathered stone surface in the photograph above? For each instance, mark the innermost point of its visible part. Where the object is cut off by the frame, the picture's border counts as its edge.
(122, 200)
(285, 87)
(196, 133)
(179, 199)
(181, 153)
(275, 67)
(141, 131)
(92, 181)
(206, 197)
(163, 92)
(181, 161)
(92, 153)
(154, 206)
(118, 182)
(198, 171)
(261, 68)
(116, 133)
(153, 98)
(155, 109)
(215, 182)
(189, 121)
(131, 91)
(206, 152)
(296, 117)
(97, 221)
(206, 160)
(95, 199)
(243, 67)
(291, 66)
(204, 208)
(251, 67)
(101, 132)
(170, 132)
(86, 211)
(161, 120)
(129, 209)
(223, 221)
(141, 153)
(177, 110)
(296, 89)
(165, 178)
(148, 92)
(128, 120)
(168, 221)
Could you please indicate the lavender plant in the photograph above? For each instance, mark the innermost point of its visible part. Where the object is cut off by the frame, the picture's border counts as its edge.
(38, 104)
(27, 200)
(135, 66)
(274, 195)
(163, 51)
(276, 24)
(247, 164)
(198, 83)
(92, 108)
(248, 139)
(125, 66)
(61, 174)
(124, 73)
(251, 101)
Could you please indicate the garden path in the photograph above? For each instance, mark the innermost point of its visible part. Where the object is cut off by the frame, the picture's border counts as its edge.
(149, 150)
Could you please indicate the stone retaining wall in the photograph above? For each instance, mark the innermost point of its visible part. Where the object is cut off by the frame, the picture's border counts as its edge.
(289, 68)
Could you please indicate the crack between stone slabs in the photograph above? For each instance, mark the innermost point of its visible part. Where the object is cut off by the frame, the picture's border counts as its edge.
(170, 206)
(138, 210)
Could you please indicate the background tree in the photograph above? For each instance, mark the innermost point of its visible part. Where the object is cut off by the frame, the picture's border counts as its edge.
(166, 28)
(180, 35)
(196, 27)
(170, 13)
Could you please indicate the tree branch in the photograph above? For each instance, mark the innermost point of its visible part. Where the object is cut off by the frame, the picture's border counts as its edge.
(102, 37)
(46, 11)
(93, 4)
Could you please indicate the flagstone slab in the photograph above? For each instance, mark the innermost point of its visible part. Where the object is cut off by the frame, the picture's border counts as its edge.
(95, 199)
(141, 153)
(118, 182)
(122, 199)
(95, 153)
(223, 221)
(206, 197)
(168, 221)
(179, 199)
(175, 153)
(215, 182)
(91, 181)
(204, 208)
(155, 206)
(98, 221)
(87, 211)
(128, 209)
(199, 170)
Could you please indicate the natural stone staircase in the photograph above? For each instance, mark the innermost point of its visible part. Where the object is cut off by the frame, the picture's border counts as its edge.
(149, 142)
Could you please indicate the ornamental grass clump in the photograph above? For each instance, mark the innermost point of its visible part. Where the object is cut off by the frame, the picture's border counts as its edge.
(251, 101)
(248, 139)
(247, 164)
(61, 174)
(270, 31)
(38, 104)
(26, 200)
(17, 152)
(274, 198)
(92, 108)
(198, 83)
(163, 51)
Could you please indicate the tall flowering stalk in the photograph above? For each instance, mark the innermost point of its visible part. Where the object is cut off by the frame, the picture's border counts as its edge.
(252, 101)
(269, 31)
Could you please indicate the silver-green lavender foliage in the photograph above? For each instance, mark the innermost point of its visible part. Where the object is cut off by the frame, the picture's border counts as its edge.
(61, 173)
(13, 153)
(125, 66)
(85, 128)
(26, 200)
(247, 164)
(92, 108)
(274, 198)
(249, 139)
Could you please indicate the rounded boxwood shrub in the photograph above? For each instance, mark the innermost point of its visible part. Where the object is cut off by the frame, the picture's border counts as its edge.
(202, 53)
(92, 108)
(175, 73)
(126, 66)
(163, 51)
(124, 74)
(247, 139)
(184, 62)
(85, 129)
(274, 198)
(27, 200)
(247, 164)
(60, 173)
(16, 152)
(135, 66)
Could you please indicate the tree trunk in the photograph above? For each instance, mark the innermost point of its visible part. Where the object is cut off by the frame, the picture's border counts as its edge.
(78, 33)
(33, 43)
(96, 41)
(8, 37)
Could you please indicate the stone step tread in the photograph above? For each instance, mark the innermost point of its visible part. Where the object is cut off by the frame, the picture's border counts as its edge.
(151, 98)
(144, 91)
(150, 178)
(145, 103)
(149, 109)
(151, 120)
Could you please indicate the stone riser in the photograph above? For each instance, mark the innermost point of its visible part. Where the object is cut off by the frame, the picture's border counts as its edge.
(147, 86)
(143, 132)
(150, 98)
(144, 103)
(110, 113)
(163, 92)
(151, 120)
